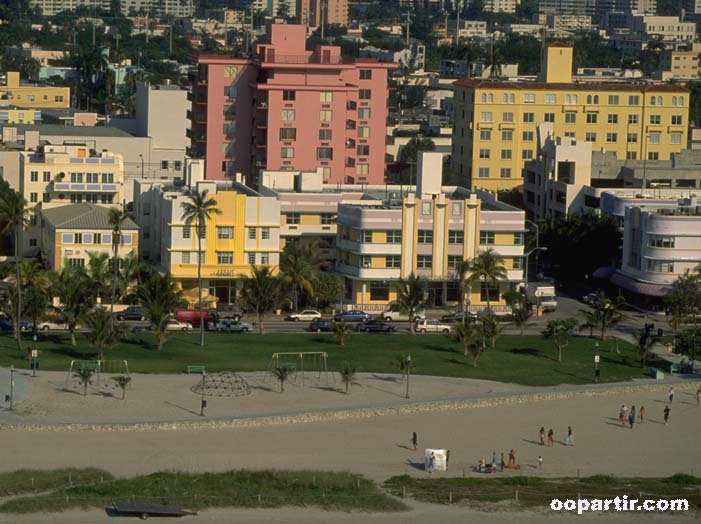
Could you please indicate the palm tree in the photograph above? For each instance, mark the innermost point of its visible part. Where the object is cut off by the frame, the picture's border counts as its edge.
(122, 381)
(560, 331)
(411, 295)
(132, 273)
(297, 272)
(199, 209)
(102, 333)
(35, 299)
(467, 335)
(98, 274)
(72, 288)
(116, 218)
(282, 373)
(84, 375)
(347, 373)
(462, 272)
(519, 309)
(160, 297)
(605, 314)
(13, 219)
(342, 331)
(261, 292)
(645, 340)
(488, 267)
(489, 328)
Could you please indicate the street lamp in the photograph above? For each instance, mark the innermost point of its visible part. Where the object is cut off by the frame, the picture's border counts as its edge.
(597, 358)
(528, 255)
(408, 373)
(10, 398)
(35, 357)
(142, 165)
(203, 402)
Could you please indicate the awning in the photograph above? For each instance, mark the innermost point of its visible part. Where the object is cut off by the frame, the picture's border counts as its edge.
(642, 288)
(604, 272)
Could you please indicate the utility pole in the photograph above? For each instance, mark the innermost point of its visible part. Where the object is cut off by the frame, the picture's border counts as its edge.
(170, 40)
(323, 18)
(408, 26)
(458, 8)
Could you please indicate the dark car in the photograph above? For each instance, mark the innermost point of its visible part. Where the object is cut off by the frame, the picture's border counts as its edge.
(131, 313)
(321, 326)
(375, 326)
(7, 325)
(459, 316)
(352, 316)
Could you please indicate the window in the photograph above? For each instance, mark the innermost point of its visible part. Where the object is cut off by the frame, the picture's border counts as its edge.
(454, 261)
(507, 116)
(46, 197)
(613, 100)
(226, 232)
(379, 290)
(485, 153)
(653, 156)
(393, 262)
(288, 115)
(655, 120)
(328, 218)
(611, 137)
(362, 169)
(508, 98)
(394, 236)
(456, 237)
(288, 95)
(364, 113)
(288, 133)
(326, 173)
(202, 231)
(489, 293)
(675, 138)
(366, 237)
(363, 150)
(230, 91)
(517, 263)
(425, 236)
(592, 118)
(426, 208)
(34, 176)
(592, 99)
(483, 172)
(660, 241)
(287, 152)
(185, 258)
(33, 197)
(252, 258)
(612, 119)
(424, 262)
(631, 155)
(550, 117)
(325, 134)
(76, 177)
(76, 262)
(570, 118)
(97, 238)
(660, 266)
(654, 138)
(676, 120)
(265, 258)
(78, 238)
(58, 98)
(364, 94)
(187, 232)
(291, 218)
(633, 100)
(456, 208)
(527, 136)
(529, 98)
(518, 239)
(505, 172)
(507, 136)
(325, 115)
(487, 238)
(225, 257)
(230, 71)
(363, 132)
(324, 153)
(326, 97)
(632, 138)
(486, 116)
(632, 119)
(655, 100)
(47, 176)
(107, 178)
(366, 74)
(550, 99)
(485, 134)
(570, 99)
(527, 154)
(265, 233)
(506, 154)
(528, 117)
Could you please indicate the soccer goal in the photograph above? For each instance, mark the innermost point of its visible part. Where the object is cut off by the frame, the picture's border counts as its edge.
(306, 366)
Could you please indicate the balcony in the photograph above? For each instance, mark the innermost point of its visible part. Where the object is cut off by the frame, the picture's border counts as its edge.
(350, 143)
(313, 59)
(367, 248)
(367, 272)
(350, 162)
(350, 124)
(351, 105)
(83, 187)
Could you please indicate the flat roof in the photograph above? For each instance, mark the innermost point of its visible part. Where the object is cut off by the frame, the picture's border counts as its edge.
(61, 130)
(571, 86)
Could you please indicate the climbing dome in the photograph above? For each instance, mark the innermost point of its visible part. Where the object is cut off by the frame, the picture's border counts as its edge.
(222, 384)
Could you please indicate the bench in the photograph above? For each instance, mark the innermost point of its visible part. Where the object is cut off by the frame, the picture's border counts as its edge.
(656, 374)
(196, 369)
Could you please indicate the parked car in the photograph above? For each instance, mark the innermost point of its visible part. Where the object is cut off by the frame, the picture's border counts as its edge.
(375, 326)
(591, 298)
(7, 325)
(131, 313)
(352, 316)
(320, 325)
(397, 316)
(459, 316)
(226, 325)
(192, 316)
(231, 311)
(307, 314)
(176, 325)
(432, 326)
(51, 325)
(542, 277)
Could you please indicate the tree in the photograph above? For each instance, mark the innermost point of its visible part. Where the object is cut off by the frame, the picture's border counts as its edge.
(342, 331)
(410, 152)
(35, 299)
(519, 308)
(605, 314)
(297, 273)
(488, 268)
(283, 10)
(495, 60)
(489, 328)
(72, 289)
(116, 219)
(462, 272)
(347, 373)
(411, 295)
(122, 381)
(36, 302)
(282, 373)
(199, 209)
(84, 376)
(328, 287)
(645, 340)
(688, 343)
(261, 292)
(467, 335)
(98, 274)
(13, 219)
(160, 296)
(684, 301)
(102, 332)
(559, 331)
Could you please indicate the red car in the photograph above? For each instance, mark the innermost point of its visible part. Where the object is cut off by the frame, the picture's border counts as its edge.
(192, 316)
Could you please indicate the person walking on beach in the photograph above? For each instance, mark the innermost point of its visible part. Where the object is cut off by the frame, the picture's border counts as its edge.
(670, 394)
(540, 462)
(431, 462)
(666, 414)
(551, 437)
(631, 417)
(622, 414)
(570, 438)
(512, 460)
(541, 436)
(502, 462)
(641, 414)
(494, 461)
(414, 440)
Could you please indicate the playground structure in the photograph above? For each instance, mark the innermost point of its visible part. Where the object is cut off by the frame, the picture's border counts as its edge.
(305, 366)
(98, 367)
(221, 384)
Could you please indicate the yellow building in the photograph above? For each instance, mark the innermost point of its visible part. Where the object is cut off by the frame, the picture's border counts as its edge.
(245, 233)
(30, 96)
(494, 130)
(70, 233)
(12, 115)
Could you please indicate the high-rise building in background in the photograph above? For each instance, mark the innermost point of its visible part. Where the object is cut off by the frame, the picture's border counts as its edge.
(312, 12)
(567, 7)
(175, 8)
(291, 109)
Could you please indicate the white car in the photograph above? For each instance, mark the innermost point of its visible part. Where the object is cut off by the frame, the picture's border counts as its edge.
(432, 326)
(48, 325)
(398, 316)
(307, 315)
(176, 325)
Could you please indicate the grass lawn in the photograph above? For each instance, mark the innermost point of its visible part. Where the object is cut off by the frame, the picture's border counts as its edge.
(33, 480)
(271, 489)
(536, 491)
(528, 360)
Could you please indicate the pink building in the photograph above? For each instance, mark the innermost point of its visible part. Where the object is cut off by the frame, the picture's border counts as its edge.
(291, 109)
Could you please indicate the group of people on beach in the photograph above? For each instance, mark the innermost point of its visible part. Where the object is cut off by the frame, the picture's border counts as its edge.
(569, 441)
